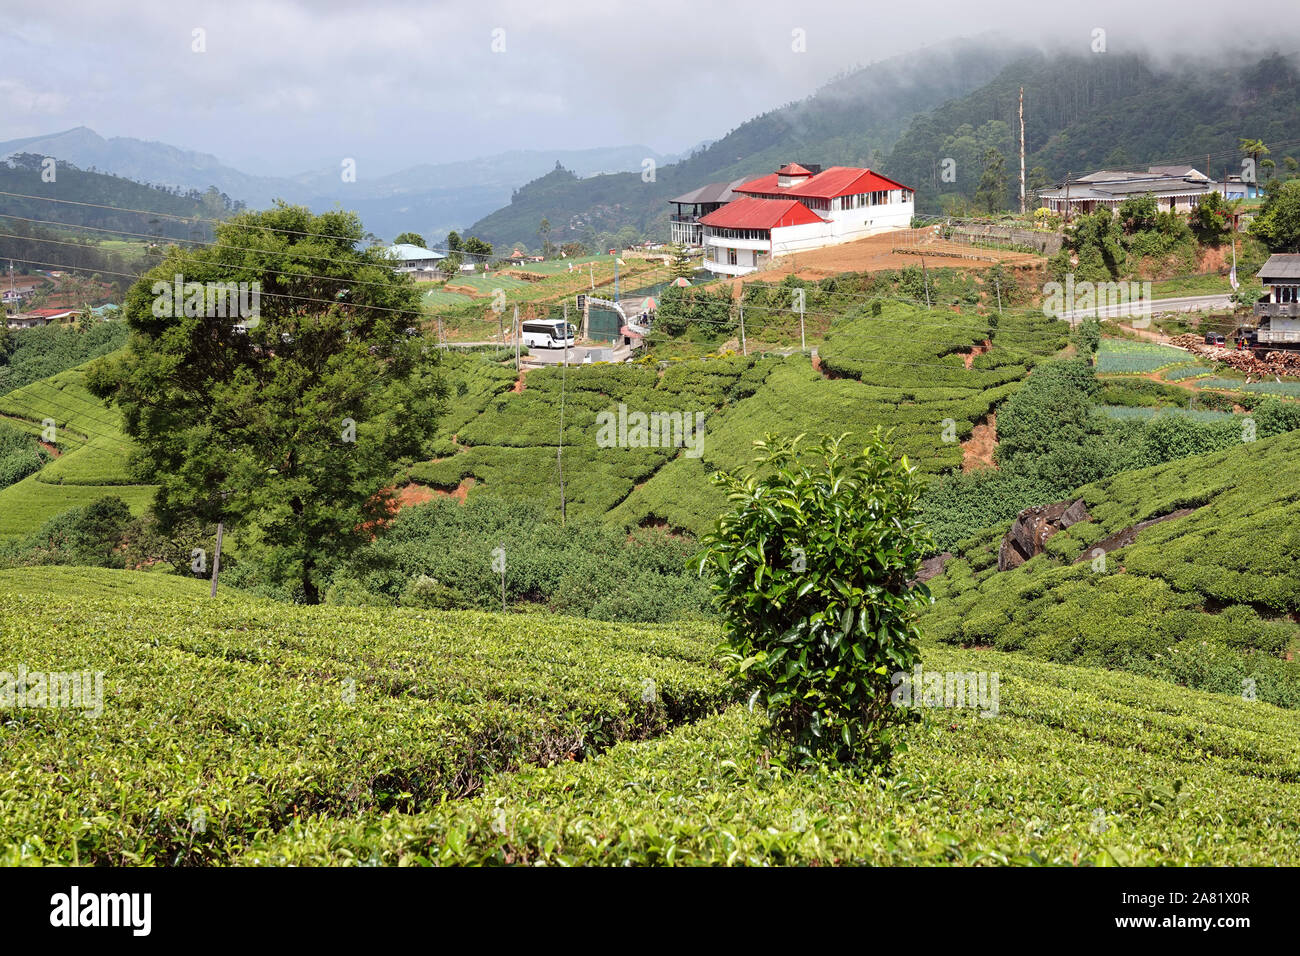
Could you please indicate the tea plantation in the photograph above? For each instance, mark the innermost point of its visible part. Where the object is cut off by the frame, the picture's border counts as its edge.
(1208, 599)
(248, 732)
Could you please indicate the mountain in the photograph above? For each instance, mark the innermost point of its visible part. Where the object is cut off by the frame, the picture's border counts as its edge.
(152, 163)
(1083, 113)
(854, 119)
(428, 198)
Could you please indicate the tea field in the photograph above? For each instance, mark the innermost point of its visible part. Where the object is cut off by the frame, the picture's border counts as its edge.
(241, 731)
(1208, 599)
(92, 460)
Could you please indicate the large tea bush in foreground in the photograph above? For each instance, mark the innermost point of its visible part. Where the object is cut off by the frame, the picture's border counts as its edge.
(813, 564)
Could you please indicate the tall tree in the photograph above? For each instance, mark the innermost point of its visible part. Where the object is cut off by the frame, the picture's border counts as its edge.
(453, 241)
(1254, 148)
(287, 423)
(1278, 222)
(544, 232)
(991, 195)
(409, 238)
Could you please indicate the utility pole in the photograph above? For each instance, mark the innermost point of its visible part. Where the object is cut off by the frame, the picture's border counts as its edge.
(1022, 151)
(803, 340)
(744, 350)
(517, 337)
(441, 344)
(925, 279)
(1068, 176)
(216, 560)
(501, 326)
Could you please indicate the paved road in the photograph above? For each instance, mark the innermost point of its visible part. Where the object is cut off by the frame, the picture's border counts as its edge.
(1182, 303)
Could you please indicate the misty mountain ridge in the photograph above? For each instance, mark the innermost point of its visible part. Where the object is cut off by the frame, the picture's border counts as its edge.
(428, 197)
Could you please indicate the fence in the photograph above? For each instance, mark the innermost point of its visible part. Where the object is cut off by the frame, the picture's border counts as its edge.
(975, 239)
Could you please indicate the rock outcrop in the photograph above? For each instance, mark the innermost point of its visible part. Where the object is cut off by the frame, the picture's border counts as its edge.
(1032, 528)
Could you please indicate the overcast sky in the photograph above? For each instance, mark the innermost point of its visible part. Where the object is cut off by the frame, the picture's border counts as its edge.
(286, 86)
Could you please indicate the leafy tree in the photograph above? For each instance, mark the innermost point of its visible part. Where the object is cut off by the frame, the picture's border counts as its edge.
(453, 241)
(409, 238)
(1095, 238)
(812, 566)
(1211, 220)
(1138, 213)
(992, 191)
(289, 429)
(544, 233)
(1278, 223)
(477, 247)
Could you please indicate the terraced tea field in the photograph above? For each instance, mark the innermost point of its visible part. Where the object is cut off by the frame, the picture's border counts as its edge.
(248, 732)
(93, 459)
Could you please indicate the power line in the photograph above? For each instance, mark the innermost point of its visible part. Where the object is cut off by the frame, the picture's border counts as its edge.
(233, 223)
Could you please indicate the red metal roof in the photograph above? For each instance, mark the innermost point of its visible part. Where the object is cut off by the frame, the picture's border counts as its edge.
(794, 169)
(836, 181)
(750, 213)
(50, 313)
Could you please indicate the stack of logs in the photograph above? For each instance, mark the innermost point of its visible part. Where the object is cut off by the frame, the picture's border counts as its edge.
(1273, 365)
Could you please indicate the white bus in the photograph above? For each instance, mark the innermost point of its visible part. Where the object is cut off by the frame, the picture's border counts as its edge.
(547, 333)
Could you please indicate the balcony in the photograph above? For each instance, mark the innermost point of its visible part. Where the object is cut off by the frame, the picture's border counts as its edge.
(1277, 310)
(726, 269)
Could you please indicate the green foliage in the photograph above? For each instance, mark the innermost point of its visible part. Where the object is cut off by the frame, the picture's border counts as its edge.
(813, 564)
(991, 194)
(1129, 356)
(1162, 763)
(34, 354)
(284, 711)
(287, 430)
(411, 238)
(440, 554)
(1278, 223)
(1220, 576)
(20, 455)
(90, 535)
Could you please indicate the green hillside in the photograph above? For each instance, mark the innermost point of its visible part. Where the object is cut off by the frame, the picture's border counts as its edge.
(249, 732)
(93, 454)
(1091, 112)
(903, 368)
(906, 115)
(853, 119)
(1209, 599)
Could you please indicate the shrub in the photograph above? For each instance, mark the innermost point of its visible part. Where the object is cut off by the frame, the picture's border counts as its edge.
(813, 564)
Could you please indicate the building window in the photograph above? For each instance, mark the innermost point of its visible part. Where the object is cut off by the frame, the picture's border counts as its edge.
(731, 257)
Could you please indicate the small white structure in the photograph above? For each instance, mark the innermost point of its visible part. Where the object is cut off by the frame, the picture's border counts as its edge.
(796, 209)
(412, 258)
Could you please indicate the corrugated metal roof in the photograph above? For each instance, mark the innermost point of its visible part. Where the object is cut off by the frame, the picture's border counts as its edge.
(713, 192)
(1281, 266)
(836, 181)
(406, 252)
(750, 213)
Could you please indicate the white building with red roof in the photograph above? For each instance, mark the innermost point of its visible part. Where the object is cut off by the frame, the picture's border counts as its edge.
(797, 208)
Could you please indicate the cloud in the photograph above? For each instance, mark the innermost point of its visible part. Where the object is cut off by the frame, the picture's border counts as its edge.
(289, 85)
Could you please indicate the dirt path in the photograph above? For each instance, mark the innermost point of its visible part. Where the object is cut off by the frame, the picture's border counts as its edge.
(1150, 335)
(969, 358)
(977, 451)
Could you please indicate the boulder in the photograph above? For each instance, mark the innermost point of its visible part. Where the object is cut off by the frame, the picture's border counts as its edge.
(1033, 526)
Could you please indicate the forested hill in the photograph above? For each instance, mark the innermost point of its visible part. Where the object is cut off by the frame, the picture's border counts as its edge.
(852, 120)
(86, 198)
(1101, 110)
(61, 224)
